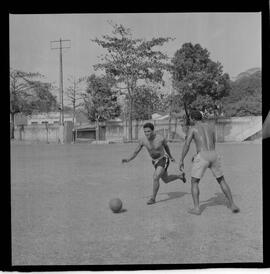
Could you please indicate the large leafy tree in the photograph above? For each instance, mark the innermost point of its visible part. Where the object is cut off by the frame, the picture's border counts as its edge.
(100, 101)
(200, 81)
(28, 94)
(42, 100)
(146, 102)
(167, 102)
(245, 97)
(131, 61)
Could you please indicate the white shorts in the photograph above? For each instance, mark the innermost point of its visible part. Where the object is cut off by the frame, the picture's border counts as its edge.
(204, 160)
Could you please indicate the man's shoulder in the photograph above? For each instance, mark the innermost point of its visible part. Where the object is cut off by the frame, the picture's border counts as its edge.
(142, 140)
(160, 137)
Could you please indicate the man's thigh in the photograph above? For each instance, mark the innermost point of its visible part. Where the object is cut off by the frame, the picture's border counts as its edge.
(164, 176)
(159, 172)
(216, 168)
(199, 167)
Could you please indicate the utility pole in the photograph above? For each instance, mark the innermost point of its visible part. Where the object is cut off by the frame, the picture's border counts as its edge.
(61, 100)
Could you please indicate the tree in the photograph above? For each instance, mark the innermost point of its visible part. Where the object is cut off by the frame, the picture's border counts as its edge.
(28, 95)
(130, 61)
(42, 99)
(245, 97)
(74, 94)
(172, 104)
(100, 100)
(145, 103)
(199, 80)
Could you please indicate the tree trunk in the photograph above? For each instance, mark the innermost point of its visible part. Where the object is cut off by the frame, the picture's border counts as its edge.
(12, 125)
(130, 128)
(175, 128)
(130, 119)
(47, 133)
(169, 127)
(170, 119)
(73, 116)
(73, 125)
(187, 115)
(97, 130)
(136, 130)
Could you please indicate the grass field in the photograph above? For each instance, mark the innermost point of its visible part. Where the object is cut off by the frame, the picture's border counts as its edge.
(60, 213)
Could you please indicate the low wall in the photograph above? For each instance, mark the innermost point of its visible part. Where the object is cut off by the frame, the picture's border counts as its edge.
(227, 130)
(233, 129)
(43, 133)
(237, 128)
(114, 131)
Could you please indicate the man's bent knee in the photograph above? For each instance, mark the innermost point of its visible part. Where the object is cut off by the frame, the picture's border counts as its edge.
(164, 177)
(157, 175)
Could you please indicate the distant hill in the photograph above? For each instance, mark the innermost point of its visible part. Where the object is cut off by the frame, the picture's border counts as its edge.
(246, 73)
(245, 98)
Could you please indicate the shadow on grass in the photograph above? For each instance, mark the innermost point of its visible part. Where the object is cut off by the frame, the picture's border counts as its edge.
(218, 199)
(123, 210)
(173, 195)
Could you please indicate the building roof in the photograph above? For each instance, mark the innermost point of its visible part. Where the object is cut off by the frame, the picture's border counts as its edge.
(85, 127)
(156, 116)
(49, 115)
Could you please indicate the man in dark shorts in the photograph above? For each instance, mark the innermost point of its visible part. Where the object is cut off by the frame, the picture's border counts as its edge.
(161, 156)
(204, 137)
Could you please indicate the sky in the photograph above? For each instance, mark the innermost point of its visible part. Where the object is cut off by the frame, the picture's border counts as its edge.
(234, 39)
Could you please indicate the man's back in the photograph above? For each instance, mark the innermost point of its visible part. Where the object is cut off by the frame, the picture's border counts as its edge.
(207, 157)
(204, 137)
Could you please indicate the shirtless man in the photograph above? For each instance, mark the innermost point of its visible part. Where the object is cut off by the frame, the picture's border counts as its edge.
(160, 153)
(204, 137)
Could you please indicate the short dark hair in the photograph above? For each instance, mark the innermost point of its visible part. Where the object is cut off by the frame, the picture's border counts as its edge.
(196, 115)
(149, 125)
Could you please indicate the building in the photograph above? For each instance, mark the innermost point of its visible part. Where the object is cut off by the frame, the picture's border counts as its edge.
(48, 118)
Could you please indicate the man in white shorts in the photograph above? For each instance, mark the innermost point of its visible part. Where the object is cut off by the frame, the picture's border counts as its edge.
(204, 137)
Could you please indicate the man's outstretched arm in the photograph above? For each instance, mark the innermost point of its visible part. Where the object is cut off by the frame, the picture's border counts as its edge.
(135, 153)
(167, 149)
(185, 148)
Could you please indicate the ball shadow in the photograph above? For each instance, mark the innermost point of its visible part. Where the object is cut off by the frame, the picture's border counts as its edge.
(123, 210)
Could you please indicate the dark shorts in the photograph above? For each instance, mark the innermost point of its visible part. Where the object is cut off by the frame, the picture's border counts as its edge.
(163, 162)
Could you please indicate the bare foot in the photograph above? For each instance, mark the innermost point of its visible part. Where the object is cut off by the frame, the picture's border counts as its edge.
(151, 201)
(195, 211)
(234, 209)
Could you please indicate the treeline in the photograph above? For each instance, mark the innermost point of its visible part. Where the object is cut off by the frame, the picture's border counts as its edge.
(245, 97)
(132, 87)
